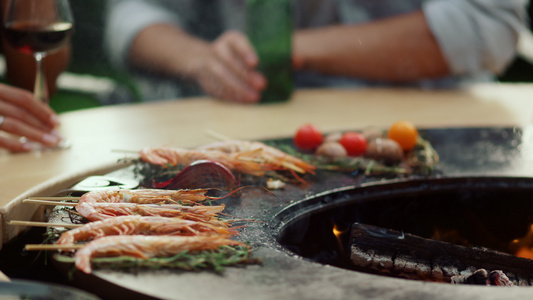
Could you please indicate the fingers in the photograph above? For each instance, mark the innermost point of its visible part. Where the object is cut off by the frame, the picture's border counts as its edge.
(24, 116)
(20, 129)
(14, 145)
(238, 46)
(221, 83)
(8, 109)
(236, 71)
(20, 104)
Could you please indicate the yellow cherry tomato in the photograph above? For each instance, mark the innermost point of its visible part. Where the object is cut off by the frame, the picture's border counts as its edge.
(404, 133)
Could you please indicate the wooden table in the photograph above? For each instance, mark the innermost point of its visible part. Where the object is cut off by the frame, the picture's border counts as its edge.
(99, 135)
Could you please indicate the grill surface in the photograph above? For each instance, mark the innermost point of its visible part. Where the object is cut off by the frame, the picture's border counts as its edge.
(481, 153)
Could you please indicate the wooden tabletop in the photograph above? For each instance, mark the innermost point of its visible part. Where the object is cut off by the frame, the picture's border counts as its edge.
(102, 136)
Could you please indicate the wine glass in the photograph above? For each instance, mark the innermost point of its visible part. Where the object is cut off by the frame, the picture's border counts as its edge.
(38, 27)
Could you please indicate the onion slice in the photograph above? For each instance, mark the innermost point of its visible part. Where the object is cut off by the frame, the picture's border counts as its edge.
(201, 174)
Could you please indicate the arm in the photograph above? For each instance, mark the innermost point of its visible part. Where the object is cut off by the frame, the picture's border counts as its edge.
(397, 49)
(148, 35)
(445, 38)
(224, 68)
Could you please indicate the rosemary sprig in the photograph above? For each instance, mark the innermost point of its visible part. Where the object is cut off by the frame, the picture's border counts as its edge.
(214, 260)
(423, 158)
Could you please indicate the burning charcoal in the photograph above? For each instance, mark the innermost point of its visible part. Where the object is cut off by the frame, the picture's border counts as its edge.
(499, 278)
(390, 252)
(480, 277)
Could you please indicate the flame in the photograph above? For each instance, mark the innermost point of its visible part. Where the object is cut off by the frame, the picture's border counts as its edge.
(520, 247)
(523, 247)
(525, 252)
(338, 233)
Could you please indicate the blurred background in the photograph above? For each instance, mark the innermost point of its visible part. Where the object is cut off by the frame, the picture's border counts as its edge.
(90, 81)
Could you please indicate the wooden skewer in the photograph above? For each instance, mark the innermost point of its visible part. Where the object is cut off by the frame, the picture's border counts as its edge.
(49, 202)
(54, 198)
(40, 247)
(217, 136)
(124, 151)
(43, 224)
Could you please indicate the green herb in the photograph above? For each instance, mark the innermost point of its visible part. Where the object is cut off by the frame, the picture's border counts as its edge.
(214, 260)
(423, 158)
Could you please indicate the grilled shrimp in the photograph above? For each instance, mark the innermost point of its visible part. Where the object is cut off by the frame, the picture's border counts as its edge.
(146, 196)
(101, 211)
(174, 156)
(129, 225)
(262, 152)
(145, 247)
(242, 156)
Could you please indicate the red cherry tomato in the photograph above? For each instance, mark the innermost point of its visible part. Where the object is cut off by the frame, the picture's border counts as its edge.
(354, 143)
(308, 137)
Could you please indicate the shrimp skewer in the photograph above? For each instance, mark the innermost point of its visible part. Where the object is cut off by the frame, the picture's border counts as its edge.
(247, 157)
(264, 153)
(146, 196)
(145, 247)
(129, 225)
(173, 156)
(101, 211)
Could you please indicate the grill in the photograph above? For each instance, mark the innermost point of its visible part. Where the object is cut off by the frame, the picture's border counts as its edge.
(311, 237)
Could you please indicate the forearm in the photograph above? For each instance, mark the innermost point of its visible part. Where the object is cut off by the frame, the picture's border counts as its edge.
(398, 49)
(224, 68)
(166, 49)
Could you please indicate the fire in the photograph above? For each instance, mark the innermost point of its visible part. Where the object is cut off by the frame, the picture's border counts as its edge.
(338, 233)
(525, 252)
(523, 247)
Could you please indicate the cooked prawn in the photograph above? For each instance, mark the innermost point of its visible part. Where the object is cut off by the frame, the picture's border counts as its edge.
(101, 211)
(242, 156)
(146, 196)
(129, 225)
(262, 152)
(145, 247)
(174, 156)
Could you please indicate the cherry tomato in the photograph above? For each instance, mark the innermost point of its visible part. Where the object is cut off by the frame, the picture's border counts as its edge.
(308, 137)
(404, 133)
(354, 143)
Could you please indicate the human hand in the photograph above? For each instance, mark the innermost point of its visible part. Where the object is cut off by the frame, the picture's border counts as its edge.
(228, 72)
(21, 115)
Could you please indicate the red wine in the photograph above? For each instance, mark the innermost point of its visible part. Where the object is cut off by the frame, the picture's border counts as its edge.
(29, 38)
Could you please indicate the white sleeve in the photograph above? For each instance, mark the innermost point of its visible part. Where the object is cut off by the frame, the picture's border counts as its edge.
(477, 35)
(125, 19)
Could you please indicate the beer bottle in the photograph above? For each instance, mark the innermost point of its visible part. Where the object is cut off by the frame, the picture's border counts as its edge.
(269, 28)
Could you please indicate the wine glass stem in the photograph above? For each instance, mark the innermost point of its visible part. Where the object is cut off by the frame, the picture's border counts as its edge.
(40, 89)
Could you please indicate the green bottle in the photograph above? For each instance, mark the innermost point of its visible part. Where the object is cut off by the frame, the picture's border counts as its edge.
(269, 28)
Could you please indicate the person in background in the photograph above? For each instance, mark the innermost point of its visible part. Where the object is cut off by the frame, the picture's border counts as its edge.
(422, 43)
(26, 123)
